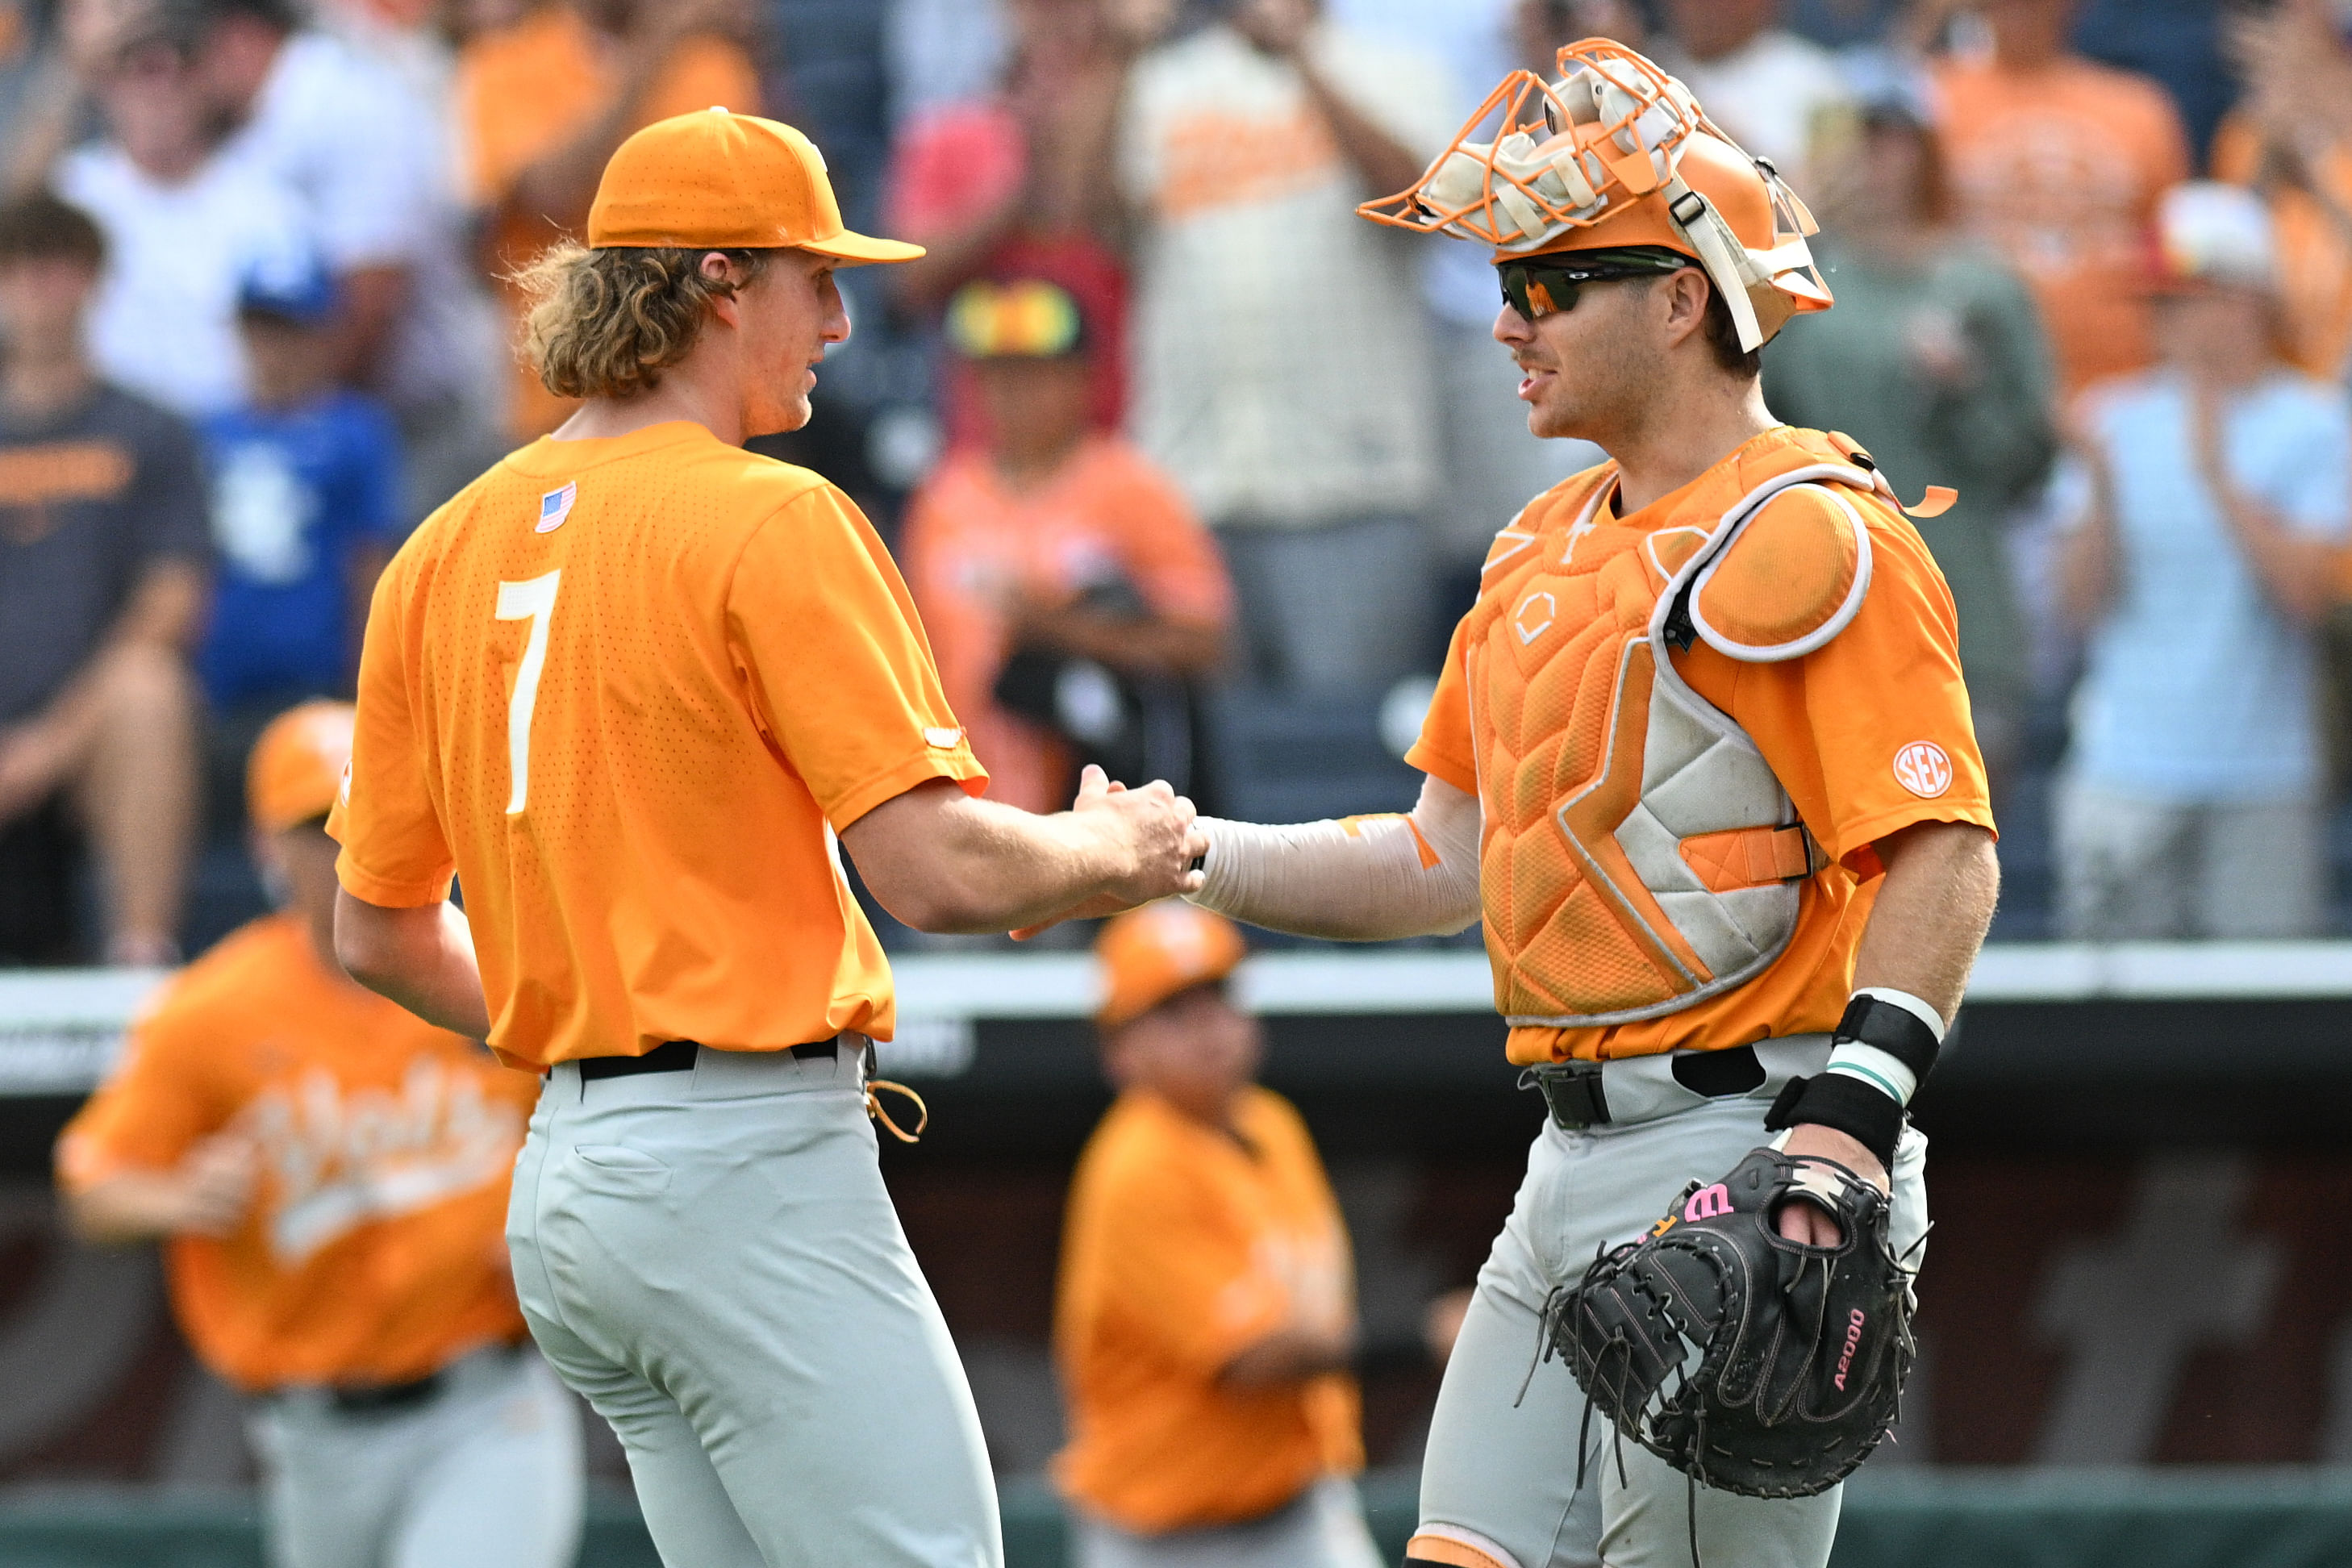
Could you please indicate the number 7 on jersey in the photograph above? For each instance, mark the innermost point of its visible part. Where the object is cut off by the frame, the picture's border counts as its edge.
(533, 601)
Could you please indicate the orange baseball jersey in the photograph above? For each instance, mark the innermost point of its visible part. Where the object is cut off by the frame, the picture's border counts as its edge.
(1183, 1248)
(972, 546)
(375, 1249)
(626, 690)
(1868, 734)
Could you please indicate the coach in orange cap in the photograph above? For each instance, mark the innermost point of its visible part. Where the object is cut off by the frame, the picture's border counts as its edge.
(631, 686)
(1207, 1313)
(331, 1176)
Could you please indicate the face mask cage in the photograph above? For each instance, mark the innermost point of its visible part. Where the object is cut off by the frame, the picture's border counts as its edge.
(1569, 154)
(1564, 154)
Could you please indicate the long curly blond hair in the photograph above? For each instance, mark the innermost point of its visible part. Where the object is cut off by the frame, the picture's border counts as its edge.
(606, 324)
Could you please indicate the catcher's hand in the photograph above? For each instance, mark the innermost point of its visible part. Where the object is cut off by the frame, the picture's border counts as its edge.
(1749, 1361)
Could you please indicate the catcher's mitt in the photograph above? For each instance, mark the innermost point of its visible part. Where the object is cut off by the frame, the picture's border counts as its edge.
(1800, 1350)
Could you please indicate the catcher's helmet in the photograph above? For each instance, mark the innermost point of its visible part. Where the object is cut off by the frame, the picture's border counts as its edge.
(1618, 154)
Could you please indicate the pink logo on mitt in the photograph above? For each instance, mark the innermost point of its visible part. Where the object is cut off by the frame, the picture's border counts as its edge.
(1853, 1339)
(1707, 1203)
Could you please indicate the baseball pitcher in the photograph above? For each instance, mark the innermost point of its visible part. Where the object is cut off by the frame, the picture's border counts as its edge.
(629, 685)
(1701, 759)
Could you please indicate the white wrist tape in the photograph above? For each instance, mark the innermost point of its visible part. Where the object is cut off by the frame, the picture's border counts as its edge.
(1882, 1069)
(1361, 878)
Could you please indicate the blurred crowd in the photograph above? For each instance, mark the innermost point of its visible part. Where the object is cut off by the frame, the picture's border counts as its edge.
(1190, 468)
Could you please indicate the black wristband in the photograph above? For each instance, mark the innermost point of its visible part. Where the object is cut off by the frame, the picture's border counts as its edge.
(1899, 1032)
(1848, 1104)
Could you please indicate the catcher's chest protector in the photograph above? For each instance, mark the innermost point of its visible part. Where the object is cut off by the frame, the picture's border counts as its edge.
(1639, 854)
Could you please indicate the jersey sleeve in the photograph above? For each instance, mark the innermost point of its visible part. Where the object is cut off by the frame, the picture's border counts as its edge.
(840, 672)
(1446, 750)
(159, 1102)
(394, 855)
(1871, 734)
(1187, 1284)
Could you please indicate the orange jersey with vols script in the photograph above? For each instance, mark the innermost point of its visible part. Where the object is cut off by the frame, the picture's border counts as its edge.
(1867, 734)
(626, 690)
(375, 1249)
(1185, 1248)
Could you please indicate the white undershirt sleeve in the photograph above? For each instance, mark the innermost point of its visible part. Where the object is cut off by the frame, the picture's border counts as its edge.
(1360, 879)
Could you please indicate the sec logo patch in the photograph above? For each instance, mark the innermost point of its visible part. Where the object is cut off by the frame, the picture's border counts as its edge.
(1922, 768)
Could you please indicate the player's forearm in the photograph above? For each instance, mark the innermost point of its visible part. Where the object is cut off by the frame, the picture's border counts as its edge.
(1290, 1355)
(1372, 878)
(995, 867)
(422, 958)
(1929, 919)
(135, 1205)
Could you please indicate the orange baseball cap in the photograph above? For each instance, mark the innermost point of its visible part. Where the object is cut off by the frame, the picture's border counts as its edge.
(298, 766)
(1150, 954)
(727, 182)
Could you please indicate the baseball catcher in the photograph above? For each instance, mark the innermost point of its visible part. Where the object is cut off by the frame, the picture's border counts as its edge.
(1701, 760)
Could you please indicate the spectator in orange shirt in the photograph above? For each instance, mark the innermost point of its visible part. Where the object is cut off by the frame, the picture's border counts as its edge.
(543, 100)
(2059, 162)
(1048, 548)
(2291, 140)
(329, 1174)
(1206, 1316)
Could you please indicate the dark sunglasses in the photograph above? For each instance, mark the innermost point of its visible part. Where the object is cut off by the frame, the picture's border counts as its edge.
(1536, 288)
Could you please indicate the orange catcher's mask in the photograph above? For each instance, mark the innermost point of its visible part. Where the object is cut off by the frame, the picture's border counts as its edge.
(297, 767)
(1617, 153)
(1150, 954)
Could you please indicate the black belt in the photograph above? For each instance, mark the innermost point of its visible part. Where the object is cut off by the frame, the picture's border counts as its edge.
(375, 1398)
(677, 1056)
(1573, 1089)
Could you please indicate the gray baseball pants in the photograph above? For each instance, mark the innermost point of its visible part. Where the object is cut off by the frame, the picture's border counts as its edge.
(484, 1473)
(711, 1259)
(1323, 1527)
(1500, 1473)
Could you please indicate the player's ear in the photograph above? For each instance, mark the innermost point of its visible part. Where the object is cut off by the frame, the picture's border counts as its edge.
(1683, 297)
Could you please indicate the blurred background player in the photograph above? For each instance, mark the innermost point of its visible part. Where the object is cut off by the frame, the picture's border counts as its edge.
(103, 559)
(331, 1174)
(2218, 487)
(1050, 538)
(1207, 1314)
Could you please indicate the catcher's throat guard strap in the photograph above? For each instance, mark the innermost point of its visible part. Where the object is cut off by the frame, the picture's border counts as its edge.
(1829, 1099)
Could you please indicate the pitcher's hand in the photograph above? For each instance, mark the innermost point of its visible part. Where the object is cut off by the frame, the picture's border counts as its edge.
(1151, 836)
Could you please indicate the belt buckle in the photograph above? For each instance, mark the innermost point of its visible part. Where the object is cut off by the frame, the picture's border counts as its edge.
(1573, 1089)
